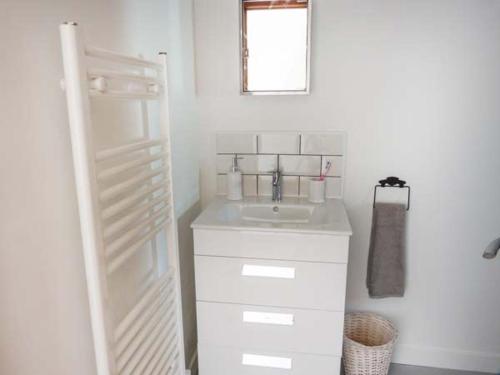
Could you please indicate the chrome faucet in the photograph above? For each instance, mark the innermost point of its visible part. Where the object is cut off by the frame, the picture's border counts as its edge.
(276, 186)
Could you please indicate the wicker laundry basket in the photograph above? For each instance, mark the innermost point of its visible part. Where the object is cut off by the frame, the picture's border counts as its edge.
(368, 343)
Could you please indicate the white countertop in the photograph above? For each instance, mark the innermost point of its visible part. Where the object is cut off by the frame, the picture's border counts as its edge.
(329, 217)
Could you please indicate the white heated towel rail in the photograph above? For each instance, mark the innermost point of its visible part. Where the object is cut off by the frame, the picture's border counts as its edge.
(126, 209)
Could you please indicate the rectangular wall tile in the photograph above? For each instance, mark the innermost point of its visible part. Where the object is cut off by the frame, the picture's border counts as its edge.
(221, 185)
(290, 186)
(223, 163)
(304, 186)
(281, 143)
(300, 165)
(259, 164)
(333, 187)
(249, 186)
(323, 143)
(265, 189)
(236, 143)
(249, 164)
(337, 168)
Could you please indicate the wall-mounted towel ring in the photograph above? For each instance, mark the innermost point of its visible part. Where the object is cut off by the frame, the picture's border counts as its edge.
(392, 182)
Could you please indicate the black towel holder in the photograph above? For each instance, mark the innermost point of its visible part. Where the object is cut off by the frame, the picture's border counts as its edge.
(392, 182)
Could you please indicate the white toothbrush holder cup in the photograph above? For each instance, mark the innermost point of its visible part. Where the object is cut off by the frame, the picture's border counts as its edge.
(317, 190)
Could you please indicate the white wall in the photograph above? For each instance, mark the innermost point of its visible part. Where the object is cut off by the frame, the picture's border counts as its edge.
(44, 318)
(416, 85)
(157, 25)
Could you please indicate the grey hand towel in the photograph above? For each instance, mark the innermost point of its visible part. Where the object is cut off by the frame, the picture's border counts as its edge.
(386, 259)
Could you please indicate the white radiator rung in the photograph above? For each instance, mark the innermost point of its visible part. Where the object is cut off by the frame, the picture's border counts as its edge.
(132, 95)
(143, 340)
(164, 281)
(162, 333)
(111, 74)
(137, 325)
(158, 359)
(142, 225)
(121, 187)
(171, 352)
(169, 356)
(169, 359)
(169, 368)
(161, 338)
(131, 147)
(124, 355)
(137, 213)
(169, 347)
(136, 246)
(173, 364)
(126, 366)
(120, 59)
(159, 363)
(124, 222)
(113, 171)
(165, 298)
(129, 202)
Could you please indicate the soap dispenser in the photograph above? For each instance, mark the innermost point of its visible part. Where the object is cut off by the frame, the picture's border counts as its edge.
(234, 181)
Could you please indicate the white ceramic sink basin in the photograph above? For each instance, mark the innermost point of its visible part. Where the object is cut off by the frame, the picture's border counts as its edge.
(296, 215)
(269, 213)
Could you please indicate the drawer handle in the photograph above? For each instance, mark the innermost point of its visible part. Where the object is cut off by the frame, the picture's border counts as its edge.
(268, 271)
(266, 361)
(268, 318)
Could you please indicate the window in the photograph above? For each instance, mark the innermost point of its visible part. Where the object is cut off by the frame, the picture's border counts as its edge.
(275, 46)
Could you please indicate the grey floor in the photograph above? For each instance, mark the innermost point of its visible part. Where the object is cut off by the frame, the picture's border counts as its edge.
(396, 369)
(417, 370)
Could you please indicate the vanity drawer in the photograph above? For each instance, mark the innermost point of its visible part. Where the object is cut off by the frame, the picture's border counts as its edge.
(215, 360)
(270, 328)
(272, 245)
(271, 282)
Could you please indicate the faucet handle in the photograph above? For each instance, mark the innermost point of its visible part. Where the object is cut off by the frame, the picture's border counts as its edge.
(276, 176)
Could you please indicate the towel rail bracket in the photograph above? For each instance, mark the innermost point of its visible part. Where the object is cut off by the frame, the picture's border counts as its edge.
(392, 182)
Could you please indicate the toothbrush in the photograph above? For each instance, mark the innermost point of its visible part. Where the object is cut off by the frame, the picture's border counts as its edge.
(327, 169)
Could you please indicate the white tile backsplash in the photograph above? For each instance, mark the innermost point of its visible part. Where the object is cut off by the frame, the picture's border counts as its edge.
(299, 156)
(300, 165)
(223, 163)
(265, 186)
(284, 143)
(236, 143)
(290, 186)
(250, 186)
(304, 186)
(323, 144)
(249, 164)
(333, 187)
(337, 168)
(221, 185)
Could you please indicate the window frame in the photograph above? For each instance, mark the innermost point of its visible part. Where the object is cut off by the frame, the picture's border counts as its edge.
(246, 5)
